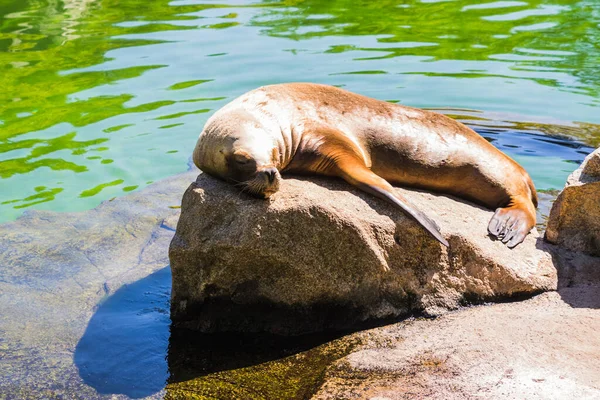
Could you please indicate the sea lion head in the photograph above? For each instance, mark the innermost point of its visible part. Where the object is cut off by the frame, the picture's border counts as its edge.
(241, 152)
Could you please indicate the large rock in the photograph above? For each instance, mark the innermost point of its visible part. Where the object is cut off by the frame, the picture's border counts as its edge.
(574, 221)
(323, 255)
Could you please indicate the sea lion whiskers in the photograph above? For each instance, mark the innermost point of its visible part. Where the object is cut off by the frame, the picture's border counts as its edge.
(263, 184)
(249, 186)
(254, 187)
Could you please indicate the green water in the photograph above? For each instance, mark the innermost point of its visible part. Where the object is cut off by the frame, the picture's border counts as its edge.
(101, 97)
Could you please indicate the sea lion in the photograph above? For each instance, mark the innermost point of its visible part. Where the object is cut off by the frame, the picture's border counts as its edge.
(319, 129)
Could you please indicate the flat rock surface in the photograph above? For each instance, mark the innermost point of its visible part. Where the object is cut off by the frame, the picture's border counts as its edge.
(543, 348)
(322, 255)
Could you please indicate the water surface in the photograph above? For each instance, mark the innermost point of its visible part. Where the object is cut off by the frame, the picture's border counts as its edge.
(101, 97)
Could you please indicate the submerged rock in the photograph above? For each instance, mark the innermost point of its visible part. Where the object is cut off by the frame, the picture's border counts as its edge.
(322, 255)
(83, 298)
(574, 221)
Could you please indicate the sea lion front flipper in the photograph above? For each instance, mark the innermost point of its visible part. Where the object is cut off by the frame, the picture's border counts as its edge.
(340, 156)
(370, 182)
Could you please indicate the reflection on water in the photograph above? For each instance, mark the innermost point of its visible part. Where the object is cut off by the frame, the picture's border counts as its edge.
(100, 97)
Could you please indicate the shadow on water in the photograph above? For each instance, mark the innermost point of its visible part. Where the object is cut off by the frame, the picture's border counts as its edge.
(123, 350)
(130, 348)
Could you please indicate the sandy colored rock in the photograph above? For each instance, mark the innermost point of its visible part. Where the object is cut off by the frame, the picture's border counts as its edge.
(544, 348)
(591, 165)
(322, 255)
(84, 314)
(574, 221)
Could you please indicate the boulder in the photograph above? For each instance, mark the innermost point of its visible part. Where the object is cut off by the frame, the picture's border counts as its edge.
(322, 255)
(574, 221)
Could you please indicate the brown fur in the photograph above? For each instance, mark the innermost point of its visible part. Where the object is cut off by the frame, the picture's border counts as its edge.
(320, 129)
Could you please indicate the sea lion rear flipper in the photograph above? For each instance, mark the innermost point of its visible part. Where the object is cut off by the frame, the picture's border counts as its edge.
(512, 224)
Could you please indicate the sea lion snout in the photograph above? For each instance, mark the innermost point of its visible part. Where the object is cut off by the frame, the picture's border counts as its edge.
(270, 174)
(271, 178)
(264, 183)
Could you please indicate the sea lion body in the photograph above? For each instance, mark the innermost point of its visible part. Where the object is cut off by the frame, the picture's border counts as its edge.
(319, 129)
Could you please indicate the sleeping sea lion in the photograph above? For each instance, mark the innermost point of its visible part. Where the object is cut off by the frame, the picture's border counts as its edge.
(319, 129)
